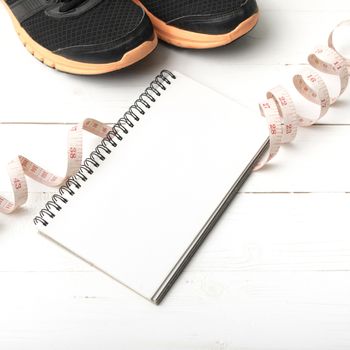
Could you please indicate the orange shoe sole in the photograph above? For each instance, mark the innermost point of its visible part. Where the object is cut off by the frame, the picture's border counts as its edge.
(193, 40)
(75, 67)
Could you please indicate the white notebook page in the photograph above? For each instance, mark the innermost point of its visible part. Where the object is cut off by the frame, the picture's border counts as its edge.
(141, 209)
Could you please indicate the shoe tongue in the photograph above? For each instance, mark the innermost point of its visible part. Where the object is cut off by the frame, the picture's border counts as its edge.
(70, 4)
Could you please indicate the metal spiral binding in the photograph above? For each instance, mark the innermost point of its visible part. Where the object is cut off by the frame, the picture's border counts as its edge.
(123, 125)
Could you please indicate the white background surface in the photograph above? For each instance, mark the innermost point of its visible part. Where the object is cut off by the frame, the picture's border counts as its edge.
(275, 272)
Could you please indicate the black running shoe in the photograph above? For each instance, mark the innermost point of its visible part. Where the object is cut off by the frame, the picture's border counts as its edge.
(83, 36)
(201, 24)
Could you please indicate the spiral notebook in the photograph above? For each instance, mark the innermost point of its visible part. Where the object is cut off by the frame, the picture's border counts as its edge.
(143, 213)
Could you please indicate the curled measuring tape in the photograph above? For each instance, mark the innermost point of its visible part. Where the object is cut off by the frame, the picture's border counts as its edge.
(279, 110)
(21, 166)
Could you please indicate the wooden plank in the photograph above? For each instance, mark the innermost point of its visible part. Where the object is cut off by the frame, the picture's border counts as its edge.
(287, 271)
(315, 162)
(259, 232)
(259, 311)
(108, 101)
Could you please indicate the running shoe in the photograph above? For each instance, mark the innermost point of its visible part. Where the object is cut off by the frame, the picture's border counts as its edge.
(201, 24)
(83, 36)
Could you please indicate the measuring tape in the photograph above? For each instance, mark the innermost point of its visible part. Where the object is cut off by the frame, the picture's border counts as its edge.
(279, 110)
(21, 166)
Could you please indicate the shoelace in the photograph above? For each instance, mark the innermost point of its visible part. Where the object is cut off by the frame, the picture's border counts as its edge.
(70, 4)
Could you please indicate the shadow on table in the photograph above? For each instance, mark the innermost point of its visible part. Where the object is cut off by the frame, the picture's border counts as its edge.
(340, 104)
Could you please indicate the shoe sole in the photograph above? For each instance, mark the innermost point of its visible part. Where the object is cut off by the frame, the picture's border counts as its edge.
(193, 40)
(63, 64)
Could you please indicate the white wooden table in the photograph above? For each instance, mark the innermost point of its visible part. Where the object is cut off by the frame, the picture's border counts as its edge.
(275, 273)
